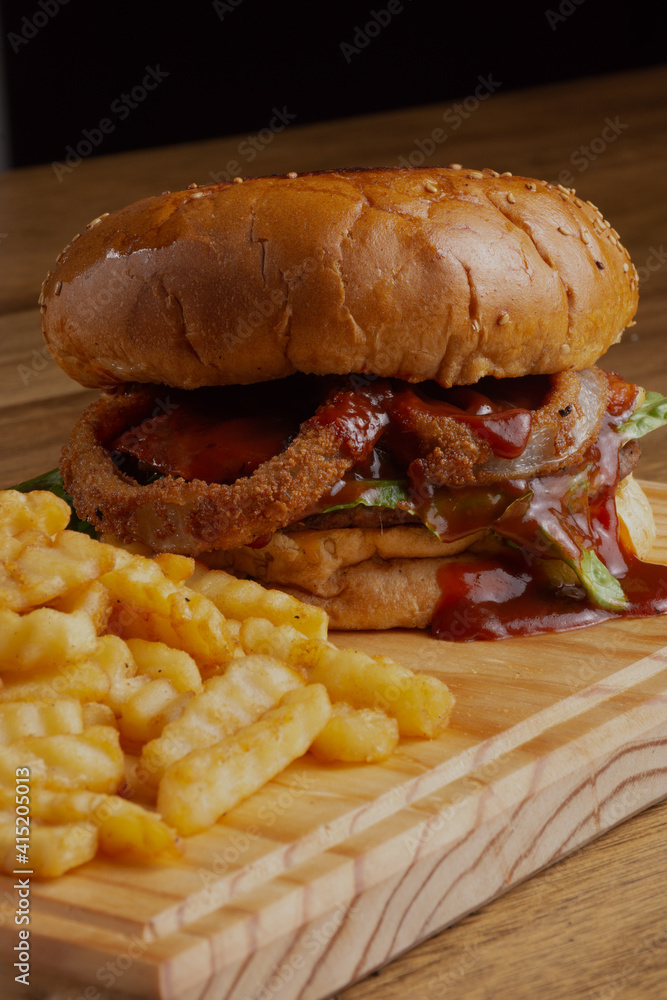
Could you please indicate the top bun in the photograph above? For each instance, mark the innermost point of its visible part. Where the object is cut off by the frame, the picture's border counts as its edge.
(439, 273)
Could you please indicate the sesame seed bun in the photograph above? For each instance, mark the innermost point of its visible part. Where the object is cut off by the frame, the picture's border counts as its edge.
(441, 273)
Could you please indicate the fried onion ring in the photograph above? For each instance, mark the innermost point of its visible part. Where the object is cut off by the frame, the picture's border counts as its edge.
(562, 429)
(176, 515)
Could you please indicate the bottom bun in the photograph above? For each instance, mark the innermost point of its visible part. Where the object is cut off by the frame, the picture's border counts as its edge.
(396, 593)
(319, 561)
(381, 579)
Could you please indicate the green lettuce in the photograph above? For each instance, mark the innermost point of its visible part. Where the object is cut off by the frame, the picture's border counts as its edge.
(646, 418)
(602, 588)
(380, 493)
(520, 526)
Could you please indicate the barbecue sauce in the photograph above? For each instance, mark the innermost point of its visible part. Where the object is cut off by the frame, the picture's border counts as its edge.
(357, 417)
(505, 429)
(513, 593)
(484, 596)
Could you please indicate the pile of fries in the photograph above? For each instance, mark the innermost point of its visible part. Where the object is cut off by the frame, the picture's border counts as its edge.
(128, 679)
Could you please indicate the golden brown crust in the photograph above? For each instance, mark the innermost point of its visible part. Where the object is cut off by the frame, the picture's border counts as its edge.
(318, 561)
(173, 514)
(419, 274)
(402, 593)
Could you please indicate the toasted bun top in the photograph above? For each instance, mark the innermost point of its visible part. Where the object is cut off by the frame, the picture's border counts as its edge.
(438, 273)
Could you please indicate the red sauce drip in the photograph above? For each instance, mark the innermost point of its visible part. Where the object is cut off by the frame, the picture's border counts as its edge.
(489, 598)
(622, 396)
(483, 596)
(357, 416)
(262, 541)
(495, 597)
(199, 445)
(505, 429)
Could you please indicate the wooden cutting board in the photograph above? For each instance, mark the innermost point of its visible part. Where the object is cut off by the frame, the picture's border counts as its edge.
(329, 872)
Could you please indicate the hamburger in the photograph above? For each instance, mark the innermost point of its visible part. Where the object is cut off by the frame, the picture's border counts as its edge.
(376, 389)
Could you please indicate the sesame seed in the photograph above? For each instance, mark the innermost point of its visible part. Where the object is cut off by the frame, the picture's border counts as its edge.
(238, 180)
(60, 256)
(564, 349)
(607, 224)
(615, 234)
(97, 220)
(578, 202)
(599, 264)
(56, 288)
(563, 196)
(531, 187)
(565, 231)
(503, 318)
(476, 325)
(511, 199)
(431, 186)
(586, 238)
(507, 173)
(561, 187)
(490, 172)
(75, 238)
(594, 207)
(198, 194)
(292, 174)
(455, 166)
(475, 175)
(191, 186)
(626, 267)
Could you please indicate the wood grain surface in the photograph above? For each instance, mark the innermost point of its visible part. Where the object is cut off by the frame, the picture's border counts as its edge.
(329, 872)
(595, 924)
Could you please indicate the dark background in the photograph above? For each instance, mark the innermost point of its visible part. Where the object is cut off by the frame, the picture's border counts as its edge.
(229, 64)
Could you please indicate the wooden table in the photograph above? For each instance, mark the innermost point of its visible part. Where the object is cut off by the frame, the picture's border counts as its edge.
(595, 924)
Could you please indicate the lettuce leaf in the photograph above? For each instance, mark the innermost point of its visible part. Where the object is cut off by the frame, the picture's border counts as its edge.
(646, 418)
(380, 493)
(539, 535)
(515, 523)
(53, 482)
(602, 588)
